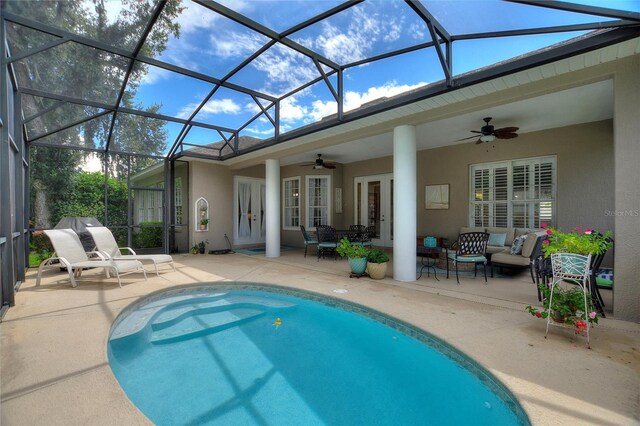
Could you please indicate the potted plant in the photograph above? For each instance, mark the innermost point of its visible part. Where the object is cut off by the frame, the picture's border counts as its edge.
(194, 249)
(355, 253)
(203, 224)
(202, 246)
(578, 241)
(567, 307)
(377, 264)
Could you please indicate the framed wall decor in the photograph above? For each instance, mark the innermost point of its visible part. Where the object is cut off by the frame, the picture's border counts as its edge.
(436, 197)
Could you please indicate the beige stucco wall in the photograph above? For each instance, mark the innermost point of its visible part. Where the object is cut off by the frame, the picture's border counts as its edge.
(294, 237)
(585, 175)
(215, 183)
(626, 291)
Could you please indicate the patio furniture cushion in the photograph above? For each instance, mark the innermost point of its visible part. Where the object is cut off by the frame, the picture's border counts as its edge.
(495, 249)
(509, 235)
(505, 257)
(516, 248)
(497, 240)
(529, 245)
(467, 258)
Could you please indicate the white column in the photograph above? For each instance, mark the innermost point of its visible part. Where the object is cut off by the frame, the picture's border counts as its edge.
(272, 207)
(404, 203)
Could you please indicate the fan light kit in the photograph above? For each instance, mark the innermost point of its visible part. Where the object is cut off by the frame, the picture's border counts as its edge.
(320, 164)
(488, 133)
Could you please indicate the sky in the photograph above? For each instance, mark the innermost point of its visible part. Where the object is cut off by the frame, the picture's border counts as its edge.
(214, 45)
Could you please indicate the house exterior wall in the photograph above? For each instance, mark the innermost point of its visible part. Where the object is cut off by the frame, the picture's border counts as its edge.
(585, 175)
(626, 130)
(294, 238)
(215, 183)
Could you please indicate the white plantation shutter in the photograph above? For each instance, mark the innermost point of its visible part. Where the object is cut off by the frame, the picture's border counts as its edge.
(291, 206)
(519, 193)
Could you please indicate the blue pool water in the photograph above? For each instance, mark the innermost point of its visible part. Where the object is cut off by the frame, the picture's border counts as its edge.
(215, 355)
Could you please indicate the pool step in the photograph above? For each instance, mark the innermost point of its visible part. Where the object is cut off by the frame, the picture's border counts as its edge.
(203, 324)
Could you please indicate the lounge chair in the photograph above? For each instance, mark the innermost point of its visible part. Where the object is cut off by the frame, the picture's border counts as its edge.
(106, 244)
(70, 253)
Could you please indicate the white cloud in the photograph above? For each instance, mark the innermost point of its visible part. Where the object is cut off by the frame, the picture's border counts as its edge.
(232, 44)
(215, 106)
(195, 17)
(354, 100)
(256, 131)
(154, 75)
(285, 69)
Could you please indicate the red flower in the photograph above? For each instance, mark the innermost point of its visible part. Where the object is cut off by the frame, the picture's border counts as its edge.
(538, 314)
(581, 326)
(543, 225)
(549, 232)
(577, 229)
(546, 242)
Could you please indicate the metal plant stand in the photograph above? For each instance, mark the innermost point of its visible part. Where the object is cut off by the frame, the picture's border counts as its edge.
(573, 268)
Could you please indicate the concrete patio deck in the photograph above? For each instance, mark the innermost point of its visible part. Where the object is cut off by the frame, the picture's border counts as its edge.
(54, 367)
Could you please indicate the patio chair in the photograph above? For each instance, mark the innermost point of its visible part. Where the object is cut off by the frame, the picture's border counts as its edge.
(106, 244)
(308, 240)
(358, 235)
(471, 247)
(369, 235)
(327, 240)
(69, 252)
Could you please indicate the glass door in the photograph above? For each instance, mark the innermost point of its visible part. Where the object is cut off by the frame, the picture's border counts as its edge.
(250, 227)
(374, 206)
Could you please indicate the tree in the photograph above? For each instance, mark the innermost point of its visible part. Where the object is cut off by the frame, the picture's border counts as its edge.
(86, 73)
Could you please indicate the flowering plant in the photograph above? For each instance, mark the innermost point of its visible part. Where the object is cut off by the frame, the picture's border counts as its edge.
(579, 241)
(567, 306)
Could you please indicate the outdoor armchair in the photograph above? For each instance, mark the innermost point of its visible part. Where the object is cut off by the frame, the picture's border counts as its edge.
(309, 240)
(106, 244)
(69, 252)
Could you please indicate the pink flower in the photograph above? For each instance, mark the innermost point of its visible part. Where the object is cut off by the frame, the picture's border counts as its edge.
(546, 242)
(577, 229)
(543, 225)
(592, 314)
(549, 232)
(587, 231)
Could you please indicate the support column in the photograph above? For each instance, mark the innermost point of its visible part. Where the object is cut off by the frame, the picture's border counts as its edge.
(404, 203)
(272, 207)
(626, 128)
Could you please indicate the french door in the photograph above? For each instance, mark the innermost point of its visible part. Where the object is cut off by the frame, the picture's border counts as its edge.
(374, 206)
(248, 211)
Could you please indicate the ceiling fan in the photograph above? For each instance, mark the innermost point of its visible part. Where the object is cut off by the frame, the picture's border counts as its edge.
(489, 134)
(320, 164)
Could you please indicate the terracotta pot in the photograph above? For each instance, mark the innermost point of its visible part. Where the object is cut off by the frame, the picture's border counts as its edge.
(377, 271)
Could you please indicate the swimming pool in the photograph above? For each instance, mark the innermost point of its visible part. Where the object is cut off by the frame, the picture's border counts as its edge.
(255, 354)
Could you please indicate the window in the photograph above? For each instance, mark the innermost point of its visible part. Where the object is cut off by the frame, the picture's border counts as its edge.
(150, 206)
(178, 200)
(318, 201)
(518, 193)
(158, 202)
(291, 205)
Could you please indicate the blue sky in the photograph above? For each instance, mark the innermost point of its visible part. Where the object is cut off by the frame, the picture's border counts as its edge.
(214, 45)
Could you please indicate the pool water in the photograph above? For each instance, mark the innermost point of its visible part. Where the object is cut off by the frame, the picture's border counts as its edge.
(208, 355)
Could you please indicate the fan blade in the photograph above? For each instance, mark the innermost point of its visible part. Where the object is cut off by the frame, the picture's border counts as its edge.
(507, 130)
(479, 142)
(307, 164)
(464, 139)
(329, 165)
(475, 131)
(506, 135)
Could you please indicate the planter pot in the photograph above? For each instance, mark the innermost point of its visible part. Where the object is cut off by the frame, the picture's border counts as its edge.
(203, 227)
(201, 250)
(358, 265)
(377, 271)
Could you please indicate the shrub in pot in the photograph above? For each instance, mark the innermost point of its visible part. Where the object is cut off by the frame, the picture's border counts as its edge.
(355, 253)
(377, 264)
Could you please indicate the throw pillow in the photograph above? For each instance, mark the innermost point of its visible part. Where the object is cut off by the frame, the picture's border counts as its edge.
(516, 248)
(497, 240)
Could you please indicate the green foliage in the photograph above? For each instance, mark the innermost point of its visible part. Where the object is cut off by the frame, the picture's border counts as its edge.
(352, 251)
(577, 241)
(204, 221)
(377, 256)
(567, 306)
(149, 235)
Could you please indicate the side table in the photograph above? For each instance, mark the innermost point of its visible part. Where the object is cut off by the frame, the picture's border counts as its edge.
(428, 257)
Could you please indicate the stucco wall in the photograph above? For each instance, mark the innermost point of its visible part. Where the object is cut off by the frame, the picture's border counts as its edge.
(294, 238)
(585, 175)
